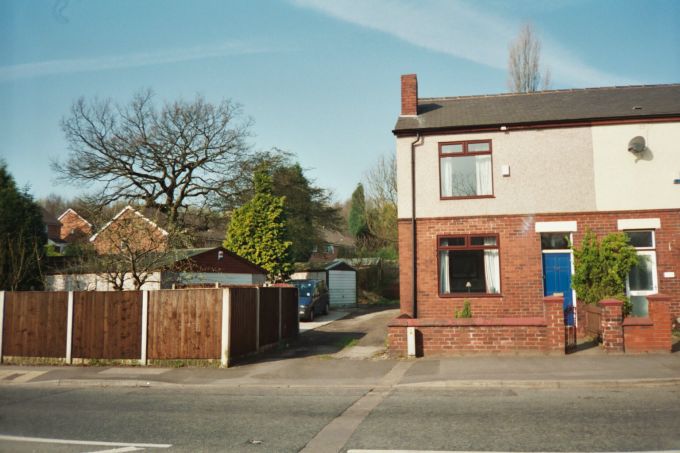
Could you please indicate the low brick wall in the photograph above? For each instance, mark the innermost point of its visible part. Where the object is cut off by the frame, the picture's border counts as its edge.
(651, 333)
(482, 335)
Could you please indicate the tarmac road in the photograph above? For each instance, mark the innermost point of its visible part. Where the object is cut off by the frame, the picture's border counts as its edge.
(286, 419)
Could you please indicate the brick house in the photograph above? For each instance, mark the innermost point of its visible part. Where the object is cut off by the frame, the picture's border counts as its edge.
(130, 228)
(492, 189)
(74, 228)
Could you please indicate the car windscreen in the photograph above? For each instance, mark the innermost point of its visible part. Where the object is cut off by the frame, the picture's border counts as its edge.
(305, 289)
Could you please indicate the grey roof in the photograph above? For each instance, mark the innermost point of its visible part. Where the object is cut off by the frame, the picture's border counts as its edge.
(642, 101)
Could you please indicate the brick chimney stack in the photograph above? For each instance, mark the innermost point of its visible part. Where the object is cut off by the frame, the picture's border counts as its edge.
(409, 95)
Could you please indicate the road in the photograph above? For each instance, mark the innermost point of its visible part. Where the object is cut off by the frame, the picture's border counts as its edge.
(286, 419)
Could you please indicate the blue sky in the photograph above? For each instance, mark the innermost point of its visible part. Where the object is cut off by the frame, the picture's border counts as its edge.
(319, 78)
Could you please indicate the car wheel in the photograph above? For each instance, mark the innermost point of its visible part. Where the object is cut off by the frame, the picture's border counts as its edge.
(325, 309)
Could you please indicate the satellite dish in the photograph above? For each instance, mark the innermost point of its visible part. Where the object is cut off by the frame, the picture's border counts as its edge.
(636, 145)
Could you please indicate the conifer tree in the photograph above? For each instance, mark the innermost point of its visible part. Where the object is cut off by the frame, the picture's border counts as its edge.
(22, 236)
(257, 230)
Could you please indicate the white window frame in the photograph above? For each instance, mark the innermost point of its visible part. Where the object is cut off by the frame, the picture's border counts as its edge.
(646, 251)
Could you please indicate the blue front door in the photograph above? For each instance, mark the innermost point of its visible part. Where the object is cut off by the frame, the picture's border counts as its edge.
(557, 279)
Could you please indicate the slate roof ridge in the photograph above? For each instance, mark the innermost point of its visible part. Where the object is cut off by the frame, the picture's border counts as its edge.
(542, 92)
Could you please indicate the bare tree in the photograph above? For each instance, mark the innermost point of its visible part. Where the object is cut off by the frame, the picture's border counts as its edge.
(381, 202)
(186, 153)
(524, 63)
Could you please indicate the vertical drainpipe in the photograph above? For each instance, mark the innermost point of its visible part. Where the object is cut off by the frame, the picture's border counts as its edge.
(414, 270)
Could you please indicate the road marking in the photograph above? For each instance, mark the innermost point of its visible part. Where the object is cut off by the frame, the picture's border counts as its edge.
(335, 435)
(117, 450)
(19, 376)
(95, 443)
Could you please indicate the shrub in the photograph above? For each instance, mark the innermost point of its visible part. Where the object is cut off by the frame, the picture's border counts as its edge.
(601, 268)
(466, 312)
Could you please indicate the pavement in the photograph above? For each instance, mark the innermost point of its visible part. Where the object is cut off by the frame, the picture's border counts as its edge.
(348, 350)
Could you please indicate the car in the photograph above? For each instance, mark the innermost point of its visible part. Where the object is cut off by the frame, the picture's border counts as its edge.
(312, 298)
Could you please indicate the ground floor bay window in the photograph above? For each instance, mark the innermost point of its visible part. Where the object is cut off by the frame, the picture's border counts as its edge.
(469, 265)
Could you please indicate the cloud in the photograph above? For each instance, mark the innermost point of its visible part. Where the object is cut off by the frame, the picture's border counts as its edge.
(459, 29)
(131, 60)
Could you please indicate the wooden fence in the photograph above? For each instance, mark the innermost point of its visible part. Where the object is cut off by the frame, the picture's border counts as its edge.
(217, 324)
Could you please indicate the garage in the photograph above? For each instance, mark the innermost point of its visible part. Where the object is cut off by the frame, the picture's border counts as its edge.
(340, 277)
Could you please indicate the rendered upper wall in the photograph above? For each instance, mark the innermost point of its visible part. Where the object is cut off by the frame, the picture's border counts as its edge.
(577, 169)
(624, 181)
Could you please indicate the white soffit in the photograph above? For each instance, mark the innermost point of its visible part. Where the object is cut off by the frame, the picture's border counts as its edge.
(639, 224)
(556, 227)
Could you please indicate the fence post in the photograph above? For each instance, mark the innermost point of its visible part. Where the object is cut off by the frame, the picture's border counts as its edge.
(226, 319)
(257, 319)
(69, 328)
(2, 319)
(145, 326)
(280, 318)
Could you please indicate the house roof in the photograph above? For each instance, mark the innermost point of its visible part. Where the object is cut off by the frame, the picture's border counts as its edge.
(48, 218)
(554, 106)
(337, 238)
(160, 261)
(337, 264)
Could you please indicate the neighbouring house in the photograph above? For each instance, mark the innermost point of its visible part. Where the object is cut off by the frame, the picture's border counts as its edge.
(493, 189)
(203, 267)
(74, 228)
(53, 229)
(130, 229)
(340, 278)
(334, 245)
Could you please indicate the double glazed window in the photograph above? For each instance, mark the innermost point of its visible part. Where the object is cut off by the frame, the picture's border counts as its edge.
(642, 279)
(469, 264)
(465, 169)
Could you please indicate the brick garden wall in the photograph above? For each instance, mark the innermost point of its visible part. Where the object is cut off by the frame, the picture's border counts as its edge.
(543, 333)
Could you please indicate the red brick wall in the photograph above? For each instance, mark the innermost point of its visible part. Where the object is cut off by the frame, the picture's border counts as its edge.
(649, 334)
(520, 260)
(73, 227)
(543, 333)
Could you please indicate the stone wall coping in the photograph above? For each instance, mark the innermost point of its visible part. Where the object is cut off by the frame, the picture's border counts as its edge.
(658, 298)
(553, 299)
(610, 302)
(469, 322)
(637, 321)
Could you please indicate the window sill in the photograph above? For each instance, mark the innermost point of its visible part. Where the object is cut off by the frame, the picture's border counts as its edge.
(467, 198)
(469, 295)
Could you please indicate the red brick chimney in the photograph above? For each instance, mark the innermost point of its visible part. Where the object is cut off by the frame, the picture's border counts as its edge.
(409, 95)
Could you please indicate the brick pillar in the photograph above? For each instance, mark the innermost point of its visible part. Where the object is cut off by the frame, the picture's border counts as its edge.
(659, 313)
(612, 325)
(409, 95)
(553, 311)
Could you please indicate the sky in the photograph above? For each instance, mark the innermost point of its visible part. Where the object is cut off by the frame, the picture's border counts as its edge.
(319, 78)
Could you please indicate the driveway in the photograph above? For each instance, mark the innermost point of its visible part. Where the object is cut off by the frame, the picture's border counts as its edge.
(360, 334)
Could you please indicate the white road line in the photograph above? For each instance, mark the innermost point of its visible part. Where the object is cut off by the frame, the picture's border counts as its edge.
(80, 442)
(117, 450)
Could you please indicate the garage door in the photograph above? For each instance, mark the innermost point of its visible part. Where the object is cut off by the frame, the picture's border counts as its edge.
(342, 287)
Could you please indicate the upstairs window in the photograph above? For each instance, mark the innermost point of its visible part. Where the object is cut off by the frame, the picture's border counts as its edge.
(465, 169)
